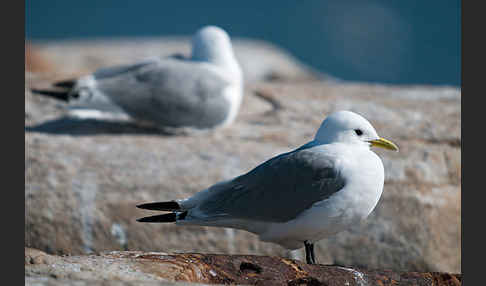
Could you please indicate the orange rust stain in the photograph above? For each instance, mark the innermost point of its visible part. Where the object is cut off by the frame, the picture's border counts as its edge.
(298, 270)
(251, 274)
(455, 280)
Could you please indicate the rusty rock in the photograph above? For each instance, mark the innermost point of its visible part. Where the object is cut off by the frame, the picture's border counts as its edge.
(132, 266)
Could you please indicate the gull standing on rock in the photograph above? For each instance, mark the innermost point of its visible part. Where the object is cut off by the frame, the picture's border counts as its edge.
(297, 198)
(203, 91)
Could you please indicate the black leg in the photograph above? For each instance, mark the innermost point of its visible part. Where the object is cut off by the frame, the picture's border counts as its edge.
(309, 253)
(313, 256)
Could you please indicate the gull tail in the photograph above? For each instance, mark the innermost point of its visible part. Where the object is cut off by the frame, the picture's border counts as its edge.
(176, 214)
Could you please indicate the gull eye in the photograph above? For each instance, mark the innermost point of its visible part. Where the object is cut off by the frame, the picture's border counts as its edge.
(358, 132)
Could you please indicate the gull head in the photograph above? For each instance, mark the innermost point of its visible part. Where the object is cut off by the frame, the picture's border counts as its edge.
(212, 44)
(350, 128)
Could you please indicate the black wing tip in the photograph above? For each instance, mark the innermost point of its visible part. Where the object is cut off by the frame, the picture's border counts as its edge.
(66, 83)
(171, 217)
(160, 206)
(143, 219)
(59, 95)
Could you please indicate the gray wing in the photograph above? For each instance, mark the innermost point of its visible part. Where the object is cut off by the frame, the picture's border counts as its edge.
(110, 72)
(171, 92)
(277, 190)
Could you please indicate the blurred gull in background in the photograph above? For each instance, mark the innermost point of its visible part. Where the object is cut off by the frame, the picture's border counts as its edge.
(203, 91)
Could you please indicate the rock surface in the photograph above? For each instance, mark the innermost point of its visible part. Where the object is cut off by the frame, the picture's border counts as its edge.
(145, 268)
(84, 178)
(259, 60)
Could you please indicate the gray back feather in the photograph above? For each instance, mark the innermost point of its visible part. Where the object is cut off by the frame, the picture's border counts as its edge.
(110, 72)
(277, 190)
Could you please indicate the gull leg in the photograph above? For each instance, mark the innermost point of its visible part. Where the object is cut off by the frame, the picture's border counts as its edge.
(309, 253)
(313, 256)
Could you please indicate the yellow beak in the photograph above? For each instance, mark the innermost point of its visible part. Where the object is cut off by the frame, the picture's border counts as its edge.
(383, 143)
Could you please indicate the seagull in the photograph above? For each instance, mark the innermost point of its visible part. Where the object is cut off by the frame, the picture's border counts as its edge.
(202, 91)
(296, 198)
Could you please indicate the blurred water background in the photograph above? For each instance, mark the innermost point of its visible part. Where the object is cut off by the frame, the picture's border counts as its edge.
(387, 41)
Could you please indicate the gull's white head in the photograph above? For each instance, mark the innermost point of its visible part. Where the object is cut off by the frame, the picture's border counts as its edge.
(211, 43)
(351, 128)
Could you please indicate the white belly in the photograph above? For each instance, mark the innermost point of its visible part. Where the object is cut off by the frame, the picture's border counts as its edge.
(342, 210)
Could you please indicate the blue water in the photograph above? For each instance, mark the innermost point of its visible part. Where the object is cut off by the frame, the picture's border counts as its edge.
(388, 41)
